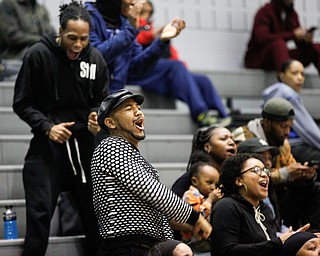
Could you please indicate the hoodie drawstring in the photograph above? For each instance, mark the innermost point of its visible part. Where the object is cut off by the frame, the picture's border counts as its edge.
(83, 176)
(259, 218)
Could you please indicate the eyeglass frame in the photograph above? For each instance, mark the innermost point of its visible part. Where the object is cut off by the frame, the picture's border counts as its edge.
(257, 170)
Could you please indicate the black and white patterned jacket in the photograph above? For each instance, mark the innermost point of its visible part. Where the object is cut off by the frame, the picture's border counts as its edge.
(128, 196)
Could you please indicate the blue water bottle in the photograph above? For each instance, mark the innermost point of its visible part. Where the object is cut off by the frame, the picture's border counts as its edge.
(10, 230)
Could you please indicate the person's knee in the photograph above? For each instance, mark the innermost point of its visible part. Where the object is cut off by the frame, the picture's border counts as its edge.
(278, 44)
(178, 65)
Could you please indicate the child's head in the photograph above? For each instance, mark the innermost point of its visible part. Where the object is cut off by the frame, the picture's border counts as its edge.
(204, 177)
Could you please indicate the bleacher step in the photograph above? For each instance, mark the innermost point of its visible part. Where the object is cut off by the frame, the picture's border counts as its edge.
(157, 121)
(155, 148)
(12, 186)
(62, 246)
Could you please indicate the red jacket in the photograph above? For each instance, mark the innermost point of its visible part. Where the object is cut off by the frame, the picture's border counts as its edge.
(268, 26)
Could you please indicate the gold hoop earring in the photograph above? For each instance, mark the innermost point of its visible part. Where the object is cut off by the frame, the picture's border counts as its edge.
(245, 189)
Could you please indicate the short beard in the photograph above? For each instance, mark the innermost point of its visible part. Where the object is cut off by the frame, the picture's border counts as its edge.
(139, 137)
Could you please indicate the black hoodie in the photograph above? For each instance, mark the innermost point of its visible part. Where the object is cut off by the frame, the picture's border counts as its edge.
(51, 89)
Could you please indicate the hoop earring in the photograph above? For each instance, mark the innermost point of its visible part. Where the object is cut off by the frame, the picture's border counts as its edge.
(245, 190)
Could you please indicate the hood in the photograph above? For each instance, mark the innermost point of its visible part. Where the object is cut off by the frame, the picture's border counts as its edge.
(255, 127)
(279, 6)
(50, 41)
(110, 11)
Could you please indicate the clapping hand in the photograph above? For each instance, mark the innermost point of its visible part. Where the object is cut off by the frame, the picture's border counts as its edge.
(172, 29)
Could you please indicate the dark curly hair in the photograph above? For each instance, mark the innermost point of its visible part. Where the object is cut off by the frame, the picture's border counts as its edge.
(73, 11)
(231, 169)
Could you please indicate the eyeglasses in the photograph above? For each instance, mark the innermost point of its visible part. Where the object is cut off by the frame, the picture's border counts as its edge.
(258, 170)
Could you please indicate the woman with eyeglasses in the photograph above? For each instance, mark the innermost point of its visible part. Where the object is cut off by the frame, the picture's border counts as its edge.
(242, 223)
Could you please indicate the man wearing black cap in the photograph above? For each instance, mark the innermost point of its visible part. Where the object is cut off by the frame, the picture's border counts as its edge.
(298, 193)
(132, 206)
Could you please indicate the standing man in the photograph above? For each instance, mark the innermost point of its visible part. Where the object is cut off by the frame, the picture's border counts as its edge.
(58, 91)
(133, 207)
(275, 24)
(297, 190)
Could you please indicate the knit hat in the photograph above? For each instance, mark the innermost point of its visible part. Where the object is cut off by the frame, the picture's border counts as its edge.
(113, 101)
(278, 109)
(256, 145)
(294, 243)
(168, 247)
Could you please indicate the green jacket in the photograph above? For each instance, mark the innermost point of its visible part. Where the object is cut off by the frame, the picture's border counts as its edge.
(22, 23)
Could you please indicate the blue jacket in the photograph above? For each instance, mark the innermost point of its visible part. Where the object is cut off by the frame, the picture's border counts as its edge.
(120, 49)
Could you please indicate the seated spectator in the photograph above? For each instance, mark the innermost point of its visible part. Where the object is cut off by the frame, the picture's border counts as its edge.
(302, 244)
(260, 146)
(133, 207)
(242, 223)
(289, 176)
(202, 194)
(276, 24)
(215, 142)
(304, 137)
(148, 34)
(114, 33)
(22, 23)
(170, 248)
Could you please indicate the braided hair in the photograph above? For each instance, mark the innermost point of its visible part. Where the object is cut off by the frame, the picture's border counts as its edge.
(73, 11)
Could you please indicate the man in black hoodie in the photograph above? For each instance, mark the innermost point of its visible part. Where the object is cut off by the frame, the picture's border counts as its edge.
(57, 92)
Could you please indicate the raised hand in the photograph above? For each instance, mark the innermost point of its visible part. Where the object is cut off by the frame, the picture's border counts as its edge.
(172, 29)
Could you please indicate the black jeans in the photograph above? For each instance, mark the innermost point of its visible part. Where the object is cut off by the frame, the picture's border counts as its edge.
(128, 250)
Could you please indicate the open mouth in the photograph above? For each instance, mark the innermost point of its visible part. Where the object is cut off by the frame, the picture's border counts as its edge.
(264, 184)
(72, 55)
(139, 124)
(231, 151)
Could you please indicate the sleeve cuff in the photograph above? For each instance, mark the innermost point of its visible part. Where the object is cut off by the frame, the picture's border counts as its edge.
(193, 218)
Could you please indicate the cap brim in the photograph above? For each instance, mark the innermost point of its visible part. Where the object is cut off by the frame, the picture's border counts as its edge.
(137, 98)
(273, 150)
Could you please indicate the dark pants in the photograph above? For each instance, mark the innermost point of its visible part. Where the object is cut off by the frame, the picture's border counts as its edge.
(128, 250)
(171, 77)
(276, 53)
(47, 172)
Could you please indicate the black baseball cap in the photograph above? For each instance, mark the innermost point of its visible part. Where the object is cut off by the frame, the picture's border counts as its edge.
(278, 109)
(113, 101)
(256, 145)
